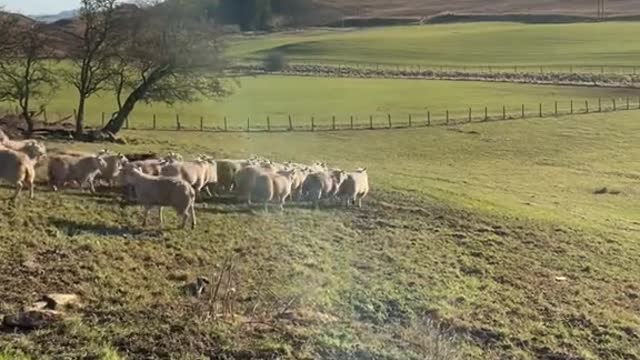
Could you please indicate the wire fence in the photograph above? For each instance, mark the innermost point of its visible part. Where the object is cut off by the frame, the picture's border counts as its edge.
(377, 121)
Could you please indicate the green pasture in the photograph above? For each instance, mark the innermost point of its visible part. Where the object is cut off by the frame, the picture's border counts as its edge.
(558, 46)
(304, 98)
(498, 233)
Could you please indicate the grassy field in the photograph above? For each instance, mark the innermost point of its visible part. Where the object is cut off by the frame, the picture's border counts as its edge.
(322, 98)
(467, 227)
(457, 45)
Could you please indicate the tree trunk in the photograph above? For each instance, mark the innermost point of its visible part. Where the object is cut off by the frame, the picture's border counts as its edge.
(29, 120)
(80, 117)
(117, 122)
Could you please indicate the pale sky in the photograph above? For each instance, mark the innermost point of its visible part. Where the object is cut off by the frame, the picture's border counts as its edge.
(39, 7)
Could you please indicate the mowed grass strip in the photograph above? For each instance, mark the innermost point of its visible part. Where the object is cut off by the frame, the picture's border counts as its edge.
(493, 230)
(472, 44)
(277, 97)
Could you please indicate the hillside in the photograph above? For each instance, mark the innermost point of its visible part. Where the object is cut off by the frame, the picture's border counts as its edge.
(392, 8)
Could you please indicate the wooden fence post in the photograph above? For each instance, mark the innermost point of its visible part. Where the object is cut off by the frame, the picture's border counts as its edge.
(225, 124)
(154, 121)
(201, 123)
(410, 122)
(389, 117)
(428, 118)
(447, 116)
(178, 122)
(599, 104)
(486, 113)
(469, 114)
(540, 110)
(248, 124)
(586, 106)
(313, 123)
(290, 123)
(556, 108)
(333, 122)
(268, 123)
(614, 105)
(371, 122)
(572, 106)
(523, 111)
(351, 122)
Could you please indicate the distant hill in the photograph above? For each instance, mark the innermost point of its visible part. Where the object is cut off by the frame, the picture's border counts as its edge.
(427, 8)
(64, 15)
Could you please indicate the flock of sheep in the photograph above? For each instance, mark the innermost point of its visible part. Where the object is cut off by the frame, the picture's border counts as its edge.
(151, 181)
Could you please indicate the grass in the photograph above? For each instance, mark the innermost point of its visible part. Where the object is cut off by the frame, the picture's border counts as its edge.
(467, 229)
(271, 96)
(457, 45)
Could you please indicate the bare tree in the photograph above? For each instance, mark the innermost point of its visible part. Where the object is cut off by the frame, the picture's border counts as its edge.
(173, 53)
(25, 70)
(92, 52)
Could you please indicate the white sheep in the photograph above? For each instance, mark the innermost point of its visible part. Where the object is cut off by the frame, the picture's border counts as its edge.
(322, 185)
(159, 191)
(64, 169)
(18, 168)
(114, 162)
(272, 187)
(355, 188)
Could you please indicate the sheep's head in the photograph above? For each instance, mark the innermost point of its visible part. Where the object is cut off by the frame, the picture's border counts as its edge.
(339, 176)
(35, 150)
(174, 157)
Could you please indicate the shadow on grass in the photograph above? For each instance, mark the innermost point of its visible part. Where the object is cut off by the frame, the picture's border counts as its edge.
(73, 228)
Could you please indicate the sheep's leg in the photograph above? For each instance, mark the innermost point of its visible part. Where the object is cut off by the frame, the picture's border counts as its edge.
(92, 187)
(161, 217)
(193, 216)
(147, 210)
(282, 205)
(266, 206)
(19, 186)
(208, 191)
(30, 190)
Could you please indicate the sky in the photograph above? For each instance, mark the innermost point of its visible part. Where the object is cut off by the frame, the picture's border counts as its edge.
(39, 7)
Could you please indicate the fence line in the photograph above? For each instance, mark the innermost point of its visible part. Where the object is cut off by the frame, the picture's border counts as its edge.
(291, 123)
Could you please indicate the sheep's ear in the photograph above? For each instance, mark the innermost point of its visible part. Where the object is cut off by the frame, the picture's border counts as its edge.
(363, 170)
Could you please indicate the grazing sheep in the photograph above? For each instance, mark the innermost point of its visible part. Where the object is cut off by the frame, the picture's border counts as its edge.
(244, 182)
(197, 173)
(114, 163)
(64, 169)
(275, 187)
(32, 148)
(321, 185)
(19, 168)
(227, 170)
(355, 188)
(158, 191)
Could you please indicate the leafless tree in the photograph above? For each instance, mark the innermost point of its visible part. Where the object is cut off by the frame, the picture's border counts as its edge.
(172, 53)
(92, 52)
(26, 69)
